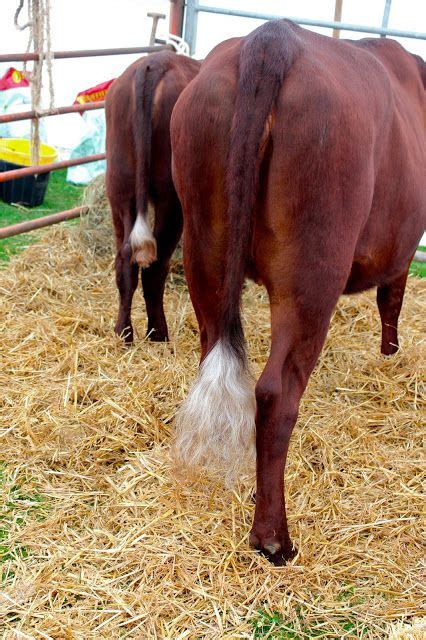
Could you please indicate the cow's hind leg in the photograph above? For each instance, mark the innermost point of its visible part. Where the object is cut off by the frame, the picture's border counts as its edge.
(167, 231)
(126, 270)
(297, 339)
(389, 302)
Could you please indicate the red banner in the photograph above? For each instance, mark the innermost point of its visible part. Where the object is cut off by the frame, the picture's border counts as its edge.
(13, 79)
(94, 94)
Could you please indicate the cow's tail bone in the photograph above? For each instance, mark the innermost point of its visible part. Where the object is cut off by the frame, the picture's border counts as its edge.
(216, 423)
(147, 77)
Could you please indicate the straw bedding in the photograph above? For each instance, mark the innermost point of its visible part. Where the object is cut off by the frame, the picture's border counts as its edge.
(105, 541)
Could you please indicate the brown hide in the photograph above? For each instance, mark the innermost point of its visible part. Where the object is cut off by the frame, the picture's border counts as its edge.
(138, 111)
(299, 161)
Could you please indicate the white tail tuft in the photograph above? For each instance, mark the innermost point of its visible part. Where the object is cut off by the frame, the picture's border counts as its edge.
(215, 426)
(143, 243)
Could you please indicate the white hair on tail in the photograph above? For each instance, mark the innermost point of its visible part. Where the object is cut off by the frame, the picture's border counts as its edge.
(215, 425)
(142, 241)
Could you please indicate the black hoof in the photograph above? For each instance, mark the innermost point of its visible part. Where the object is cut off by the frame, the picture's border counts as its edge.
(157, 336)
(278, 553)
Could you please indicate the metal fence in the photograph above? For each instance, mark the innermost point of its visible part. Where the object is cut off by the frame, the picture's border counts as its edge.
(194, 8)
(37, 223)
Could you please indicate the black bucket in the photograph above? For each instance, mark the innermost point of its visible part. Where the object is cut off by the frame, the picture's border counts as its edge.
(28, 191)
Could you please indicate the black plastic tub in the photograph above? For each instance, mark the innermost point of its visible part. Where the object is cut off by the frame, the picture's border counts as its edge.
(29, 191)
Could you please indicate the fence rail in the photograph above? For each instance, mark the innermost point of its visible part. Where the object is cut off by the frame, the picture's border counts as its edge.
(330, 24)
(193, 8)
(50, 166)
(55, 111)
(81, 53)
(39, 223)
(69, 214)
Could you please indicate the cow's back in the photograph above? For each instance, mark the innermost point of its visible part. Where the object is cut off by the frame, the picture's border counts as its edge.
(348, 120)
(121, 114)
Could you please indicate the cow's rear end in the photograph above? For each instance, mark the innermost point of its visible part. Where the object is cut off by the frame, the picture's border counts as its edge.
(297, 160)
(138, 110)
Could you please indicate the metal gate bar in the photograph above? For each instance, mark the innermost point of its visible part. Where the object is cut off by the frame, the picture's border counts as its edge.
(386, 14)
(39, 223)
(193, 8)
(83, 53)
(51, 166)
(55, 111)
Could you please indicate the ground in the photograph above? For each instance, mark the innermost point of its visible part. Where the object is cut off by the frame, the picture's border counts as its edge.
(100, 537)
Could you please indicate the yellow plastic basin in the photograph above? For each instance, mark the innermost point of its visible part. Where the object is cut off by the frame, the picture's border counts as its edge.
(18, 151)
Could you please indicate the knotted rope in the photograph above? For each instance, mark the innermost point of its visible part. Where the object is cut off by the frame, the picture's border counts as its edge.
(40, 38)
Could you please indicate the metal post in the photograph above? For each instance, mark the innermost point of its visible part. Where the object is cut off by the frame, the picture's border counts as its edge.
(337, 17)
(191, 19)
(155, 18)
(176, 17)
(386, 13)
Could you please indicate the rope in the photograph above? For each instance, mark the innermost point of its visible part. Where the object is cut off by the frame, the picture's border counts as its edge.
(36, 77)
(15, 20)
(49, 56)
(39, 26)
(180, 46)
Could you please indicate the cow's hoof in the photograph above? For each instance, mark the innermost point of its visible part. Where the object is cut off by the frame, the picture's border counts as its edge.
(125, 333)
(278, 553)
(389, 349)
(157, 336)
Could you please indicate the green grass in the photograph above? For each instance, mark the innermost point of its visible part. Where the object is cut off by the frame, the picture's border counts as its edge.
(60, 195)
(16, 508)
(273, 625)
(418, 269)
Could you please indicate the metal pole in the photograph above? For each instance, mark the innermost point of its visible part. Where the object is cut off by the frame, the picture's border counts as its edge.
(386, 13)
(83, 53)
(39, 223)
(155, 18)
(397, 33)
(51, 166)
(191, 19)
(56, 111)
(337, 17)
(176, 17)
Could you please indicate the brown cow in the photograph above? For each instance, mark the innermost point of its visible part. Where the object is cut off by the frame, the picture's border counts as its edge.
(138, 110)
(299, 161)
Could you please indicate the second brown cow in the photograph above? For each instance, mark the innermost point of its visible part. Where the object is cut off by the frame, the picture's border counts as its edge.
(138, 108)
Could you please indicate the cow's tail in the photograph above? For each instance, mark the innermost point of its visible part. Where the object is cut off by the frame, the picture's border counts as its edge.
(216, 426)
(147, 77)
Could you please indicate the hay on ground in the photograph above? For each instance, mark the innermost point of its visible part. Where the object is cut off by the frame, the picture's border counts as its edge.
(104, 542)
(95, 232)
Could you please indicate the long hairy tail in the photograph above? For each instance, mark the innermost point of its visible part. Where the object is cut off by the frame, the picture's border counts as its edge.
(215, 425)
(266, 56)
(147, 77)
